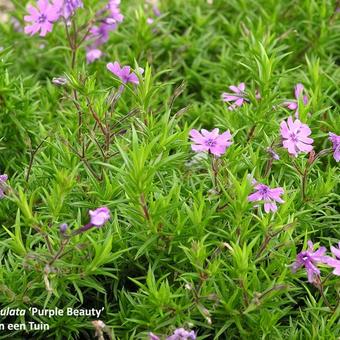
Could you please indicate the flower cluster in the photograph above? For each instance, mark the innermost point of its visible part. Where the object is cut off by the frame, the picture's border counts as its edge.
(179, 334)
(295, 138)
(310, 259)
(42, 17)
(110, 16)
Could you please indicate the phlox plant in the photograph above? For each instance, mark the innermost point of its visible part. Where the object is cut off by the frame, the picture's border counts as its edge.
(174, 164)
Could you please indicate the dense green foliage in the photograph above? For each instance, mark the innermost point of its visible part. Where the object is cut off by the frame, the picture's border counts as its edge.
(183, 248)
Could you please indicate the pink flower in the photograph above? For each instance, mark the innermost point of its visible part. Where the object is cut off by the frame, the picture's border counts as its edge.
(210, 141)
(336, 145)
(295, 136)
(238, 97)
(294, 104)
(335, 263)
(123, 73)
(63, 228)
(93, 54)
(66, 8)
(41, 18)
(182, 334)
(99, 216)
(267, 195)
(115, 14)
(272, 153)
(309, 259)
(100, 34)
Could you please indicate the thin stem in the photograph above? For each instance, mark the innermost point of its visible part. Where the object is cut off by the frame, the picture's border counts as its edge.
(64, 242)
(324, 297)
(268, 167)
(82, 229)
(83, 159)
(144, 207)
(96, 117)
(33, 153)
(304, 184)
(214, 167)
(251, 133)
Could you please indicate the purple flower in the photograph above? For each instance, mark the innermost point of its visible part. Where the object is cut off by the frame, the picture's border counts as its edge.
(41, 18)
(114, 9)
(299, 94)
(93, 54)
(123, 73)
(100, 34)
(295, 136)
(63, 228)
(273, 154)
(309, 259)
(336, 145)
(335, 263)
(66, 8)
(155, 9)
(182, 334)
(3, 179)
(211, 141)
(99, 216)
(238, 97)
(153, 336)
(268, 196)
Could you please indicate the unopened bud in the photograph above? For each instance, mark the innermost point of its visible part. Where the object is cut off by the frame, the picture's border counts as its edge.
(63, 227)
(59, 81)
(311, 157)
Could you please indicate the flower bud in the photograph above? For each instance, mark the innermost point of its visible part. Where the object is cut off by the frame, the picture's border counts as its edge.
(59, 81)
(63, 228)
